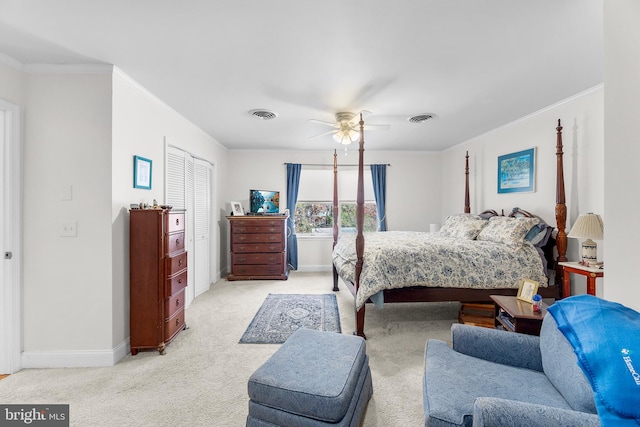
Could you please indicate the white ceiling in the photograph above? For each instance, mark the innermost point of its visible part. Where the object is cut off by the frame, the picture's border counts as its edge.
(475, 65)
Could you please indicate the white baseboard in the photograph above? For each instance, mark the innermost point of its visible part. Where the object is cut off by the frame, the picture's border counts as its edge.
(75, 359)
(313, 268)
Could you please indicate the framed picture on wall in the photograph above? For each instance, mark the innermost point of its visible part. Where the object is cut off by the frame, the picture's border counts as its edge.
(516, 172)
(142, 173)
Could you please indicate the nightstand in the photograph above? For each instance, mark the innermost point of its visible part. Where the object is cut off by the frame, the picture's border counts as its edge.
(514, 315)
(591, 273)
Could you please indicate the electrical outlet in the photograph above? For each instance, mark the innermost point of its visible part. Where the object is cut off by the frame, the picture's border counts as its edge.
(69, 229)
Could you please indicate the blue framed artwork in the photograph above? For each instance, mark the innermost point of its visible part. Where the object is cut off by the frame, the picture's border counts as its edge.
(141, 173)
(516, 172)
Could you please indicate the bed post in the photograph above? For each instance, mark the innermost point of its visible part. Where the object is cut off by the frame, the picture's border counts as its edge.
(335, 216)
(561, 215)
(467, 204)
(359, 227)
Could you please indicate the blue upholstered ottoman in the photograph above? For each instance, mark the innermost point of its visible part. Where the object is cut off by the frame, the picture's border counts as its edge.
(314, 379)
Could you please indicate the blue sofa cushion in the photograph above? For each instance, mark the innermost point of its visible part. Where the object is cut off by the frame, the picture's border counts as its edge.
(560, 365)
(313, 374)
(453, 381)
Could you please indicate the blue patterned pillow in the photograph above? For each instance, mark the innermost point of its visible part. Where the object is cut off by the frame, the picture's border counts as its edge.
(510, 231)
(463, 226)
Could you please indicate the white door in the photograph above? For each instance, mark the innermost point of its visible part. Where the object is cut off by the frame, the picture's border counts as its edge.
(202, 236)
(10, 235)
(188, 186)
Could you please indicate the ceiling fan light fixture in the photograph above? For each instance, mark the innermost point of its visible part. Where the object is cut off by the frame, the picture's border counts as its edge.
(263, 114)
(346, 136)
(420, 118)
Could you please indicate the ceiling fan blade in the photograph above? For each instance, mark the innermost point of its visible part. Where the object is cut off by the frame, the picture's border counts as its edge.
(322, 122)
(356, 119)
(323, 134)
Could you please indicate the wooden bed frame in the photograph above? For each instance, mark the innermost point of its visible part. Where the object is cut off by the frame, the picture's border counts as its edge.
(433, 294)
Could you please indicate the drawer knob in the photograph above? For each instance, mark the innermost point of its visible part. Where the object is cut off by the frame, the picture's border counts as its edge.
(177, 322)
(180, 262)
(180, 281)
(177, 302)
(177, 221)
(177, 242)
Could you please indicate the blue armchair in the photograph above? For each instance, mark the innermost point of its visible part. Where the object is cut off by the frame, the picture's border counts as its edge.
(498, 378)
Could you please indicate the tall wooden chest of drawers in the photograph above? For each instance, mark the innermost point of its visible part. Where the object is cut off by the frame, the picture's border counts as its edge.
(258, 247)
(158, 277)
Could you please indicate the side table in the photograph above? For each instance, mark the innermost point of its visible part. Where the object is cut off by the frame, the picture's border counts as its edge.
(591, 273)
(514, 315)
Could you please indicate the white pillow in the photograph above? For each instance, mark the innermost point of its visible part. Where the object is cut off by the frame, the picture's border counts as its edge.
(463, 226)
(510, 231)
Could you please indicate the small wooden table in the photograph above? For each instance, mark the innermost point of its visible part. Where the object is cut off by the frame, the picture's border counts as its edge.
(591, 273)
(514, 315)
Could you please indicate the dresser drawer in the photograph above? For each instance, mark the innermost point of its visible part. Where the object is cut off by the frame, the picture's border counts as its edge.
(258, 247)
(175, 222)
(258, 222)
(176, 263)
(174, 304)
(174, 243)
(258, 229)
(272, 258)
(173, 325)
(257, 238)
(258, 270)
(174, 284)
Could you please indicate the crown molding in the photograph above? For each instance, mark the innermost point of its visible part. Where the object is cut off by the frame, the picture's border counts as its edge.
(68, 68)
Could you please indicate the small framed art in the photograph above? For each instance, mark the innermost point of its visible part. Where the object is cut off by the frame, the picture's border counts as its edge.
(527, 289)
(142, 173)
(237, 209)
(516, 172)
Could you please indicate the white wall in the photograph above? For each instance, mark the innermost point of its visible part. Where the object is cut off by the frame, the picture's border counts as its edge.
(81, 130)
(583, 139)
(67, 280)
(413, 189)
(622, 149)
(141, 125)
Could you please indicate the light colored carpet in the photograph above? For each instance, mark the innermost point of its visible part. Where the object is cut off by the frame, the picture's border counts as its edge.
(202, 379)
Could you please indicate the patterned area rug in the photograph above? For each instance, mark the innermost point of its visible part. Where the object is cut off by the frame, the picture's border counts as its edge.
(283, 314)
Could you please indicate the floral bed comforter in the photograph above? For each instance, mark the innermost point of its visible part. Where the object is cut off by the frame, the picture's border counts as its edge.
(397, 259)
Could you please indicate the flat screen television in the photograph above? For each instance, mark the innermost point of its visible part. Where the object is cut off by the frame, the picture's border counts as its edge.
(264, 201)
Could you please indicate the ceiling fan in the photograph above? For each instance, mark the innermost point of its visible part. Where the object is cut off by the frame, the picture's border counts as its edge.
(346, 127)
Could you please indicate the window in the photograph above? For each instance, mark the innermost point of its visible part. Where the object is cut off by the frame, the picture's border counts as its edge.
(316, 218)
(314, 210)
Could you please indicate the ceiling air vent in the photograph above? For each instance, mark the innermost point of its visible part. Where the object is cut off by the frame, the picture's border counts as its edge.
(263, 114)
(420, 118)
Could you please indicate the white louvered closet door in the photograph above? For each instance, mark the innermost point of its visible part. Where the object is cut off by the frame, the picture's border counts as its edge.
(189, 184)
(202, 175)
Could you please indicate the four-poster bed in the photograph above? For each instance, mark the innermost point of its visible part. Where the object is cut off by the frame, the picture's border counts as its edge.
(404, 269)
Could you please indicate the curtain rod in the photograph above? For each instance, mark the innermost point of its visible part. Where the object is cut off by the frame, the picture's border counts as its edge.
(331, 165)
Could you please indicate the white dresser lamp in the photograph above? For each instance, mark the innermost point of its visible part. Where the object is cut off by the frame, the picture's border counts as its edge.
(588, 226)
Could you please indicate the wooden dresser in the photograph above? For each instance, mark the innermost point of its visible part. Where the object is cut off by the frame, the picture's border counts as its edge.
(158, 277)
(258, 247)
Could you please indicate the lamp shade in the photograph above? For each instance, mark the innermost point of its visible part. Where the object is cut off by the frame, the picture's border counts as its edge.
(588, 226)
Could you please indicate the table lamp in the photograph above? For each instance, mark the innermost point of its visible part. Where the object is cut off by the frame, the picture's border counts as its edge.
(588, 226)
